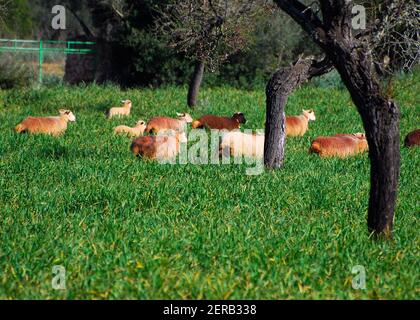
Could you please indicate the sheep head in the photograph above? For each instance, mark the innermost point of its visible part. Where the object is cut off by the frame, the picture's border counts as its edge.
(239, 116)
(184, 117)
(67, 114)
(310, 114)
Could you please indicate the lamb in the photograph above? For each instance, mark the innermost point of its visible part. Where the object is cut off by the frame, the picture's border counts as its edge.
(158, 124)
(47, 125)
(137, 131)
(120, 111)
(221, 123)
(412, 139)
(160, 147)
(340, 145)
(242, 144)
(298, 125)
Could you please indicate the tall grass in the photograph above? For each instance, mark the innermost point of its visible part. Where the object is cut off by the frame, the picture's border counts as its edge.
(126, 228)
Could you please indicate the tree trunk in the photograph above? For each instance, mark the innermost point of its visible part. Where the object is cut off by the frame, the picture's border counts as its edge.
(195, 84)
(353, 60)
(381, 122)
(280, 86)
(384, 153)
(380, 117)
(275, 130)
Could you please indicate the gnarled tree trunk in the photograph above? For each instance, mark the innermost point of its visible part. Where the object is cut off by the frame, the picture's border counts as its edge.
(281, 84)
(380, 118)
(352, 58)
(195, 84)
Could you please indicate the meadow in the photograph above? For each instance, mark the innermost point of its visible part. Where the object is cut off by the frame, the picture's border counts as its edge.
(125, 228)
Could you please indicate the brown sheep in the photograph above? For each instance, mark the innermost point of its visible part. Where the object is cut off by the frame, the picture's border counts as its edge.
(47, 125)
(158, 124)
(340, 145)
(412, 139)
(221, 123)
(137, 131)
(160, 147)
(298, 125)
(120, 111)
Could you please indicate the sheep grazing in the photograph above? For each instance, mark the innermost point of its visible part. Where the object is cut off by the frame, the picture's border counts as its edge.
(120, 111)
(242, 144)
(221, 123)
(137, 131)
(298, 125)
(160, 147)
(47, 125)
(412, 139)
(339, 145)
(159, 124)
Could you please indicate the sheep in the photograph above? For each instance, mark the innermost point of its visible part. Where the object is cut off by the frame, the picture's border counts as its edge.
(339, 145)
(47, 125)
(298, 125)
(412, 139)
(120, 111)
(221, 123)
(158, 124)
(160, 147)
(137, 131)
(242, 144)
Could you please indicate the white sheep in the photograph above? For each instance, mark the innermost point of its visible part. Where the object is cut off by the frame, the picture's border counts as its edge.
(242, 144)
(120, 111)
(136, 131)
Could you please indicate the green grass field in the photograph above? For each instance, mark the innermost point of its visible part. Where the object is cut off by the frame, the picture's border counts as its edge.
(127, 228)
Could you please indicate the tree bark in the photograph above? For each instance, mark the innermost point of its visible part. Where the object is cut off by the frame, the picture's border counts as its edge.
(275, 131)
(380, 118)
(195, 84)
(278, 89)
(384, 153)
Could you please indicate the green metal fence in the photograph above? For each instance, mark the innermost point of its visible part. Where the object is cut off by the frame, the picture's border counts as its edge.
(46, 46)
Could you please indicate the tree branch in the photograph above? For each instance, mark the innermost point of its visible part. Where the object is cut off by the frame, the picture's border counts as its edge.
(305, 17)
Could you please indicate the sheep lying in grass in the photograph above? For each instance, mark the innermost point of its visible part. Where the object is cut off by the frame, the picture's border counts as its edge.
(298, 125)
(242, 144)
(47, 125)
(137, 131)
(158, 124)
(221, 123)
(340, 145)
(160, 147)
(120, 111)
(412, 139)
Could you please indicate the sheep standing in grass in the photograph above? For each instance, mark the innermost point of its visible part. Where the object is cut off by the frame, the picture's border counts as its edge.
(137, 131)
(158, 124)
(47, 125)
(340, 145)
(221, 123)
(120, 111)
(298, 125)
(412, 139)
(160, 147)
(242, 144)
